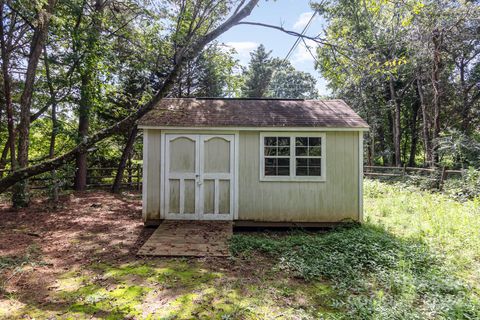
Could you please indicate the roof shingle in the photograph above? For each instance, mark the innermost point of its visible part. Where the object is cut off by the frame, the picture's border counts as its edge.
(198, 112)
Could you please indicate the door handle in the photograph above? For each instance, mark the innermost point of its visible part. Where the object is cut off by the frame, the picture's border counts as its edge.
(199, 181)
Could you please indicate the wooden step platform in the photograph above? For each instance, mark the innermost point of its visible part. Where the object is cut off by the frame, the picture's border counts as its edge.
(189, 238)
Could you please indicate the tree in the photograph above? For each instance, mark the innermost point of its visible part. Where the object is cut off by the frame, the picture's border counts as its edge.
(189, 38)
(258, 74)
(398, 63)
(287, 82)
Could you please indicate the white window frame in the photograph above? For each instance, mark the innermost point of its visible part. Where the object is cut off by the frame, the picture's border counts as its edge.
(292, 176)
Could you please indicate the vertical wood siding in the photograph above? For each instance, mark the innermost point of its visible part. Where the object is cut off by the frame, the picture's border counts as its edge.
(334, 200)
(151, 167)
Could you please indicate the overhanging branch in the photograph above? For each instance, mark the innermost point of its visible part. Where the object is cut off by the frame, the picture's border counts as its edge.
(317, 39)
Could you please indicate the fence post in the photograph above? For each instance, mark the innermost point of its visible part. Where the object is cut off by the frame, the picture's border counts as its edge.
(442, 179)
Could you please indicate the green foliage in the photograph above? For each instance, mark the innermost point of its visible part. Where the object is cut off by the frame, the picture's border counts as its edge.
(258, 74)
(287, 82)
(380, 56)
(414, 258)
(268, 77)
(465, 188)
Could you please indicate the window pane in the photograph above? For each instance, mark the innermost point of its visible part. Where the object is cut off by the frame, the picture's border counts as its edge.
(301, 141)
(314, 162)
(301, 151)
(270, 151)
(283, 171)
(302, 162)
(315, 171)
(283, 162)
(302, 171)
(270, 171)
(284, 151)
(283, 141)
(312, 142)
(315, 151)
(270, 162)
(270, 141)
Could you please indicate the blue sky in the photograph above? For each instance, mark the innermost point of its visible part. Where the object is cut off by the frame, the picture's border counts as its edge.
(292, 15)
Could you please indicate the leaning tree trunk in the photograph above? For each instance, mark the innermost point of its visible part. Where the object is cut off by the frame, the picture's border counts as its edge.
(127, 151)
(129, 121)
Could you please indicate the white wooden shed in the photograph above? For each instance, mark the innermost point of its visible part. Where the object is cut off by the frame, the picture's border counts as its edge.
(252, 161)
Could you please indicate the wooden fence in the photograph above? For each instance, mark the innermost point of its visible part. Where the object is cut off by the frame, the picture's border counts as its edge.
(104, 177)
(97, 177)
(438, 174)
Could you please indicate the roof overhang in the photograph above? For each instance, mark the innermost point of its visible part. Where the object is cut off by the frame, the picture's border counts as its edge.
(252, 128)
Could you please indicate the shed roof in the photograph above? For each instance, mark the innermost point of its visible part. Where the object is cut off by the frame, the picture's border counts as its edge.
(209, 112)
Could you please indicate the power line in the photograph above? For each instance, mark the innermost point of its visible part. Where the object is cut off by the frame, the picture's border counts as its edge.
(292, 49)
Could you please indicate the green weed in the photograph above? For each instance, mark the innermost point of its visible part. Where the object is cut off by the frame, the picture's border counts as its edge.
(415, 258)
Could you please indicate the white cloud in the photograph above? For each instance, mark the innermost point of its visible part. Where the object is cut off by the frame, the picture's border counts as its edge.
(243, 49)
(302, 20)
(302, 55)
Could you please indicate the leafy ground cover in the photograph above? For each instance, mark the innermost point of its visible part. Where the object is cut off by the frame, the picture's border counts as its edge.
(416, 257)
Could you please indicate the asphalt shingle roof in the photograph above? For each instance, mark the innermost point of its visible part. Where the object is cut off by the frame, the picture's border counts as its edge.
(207, 112)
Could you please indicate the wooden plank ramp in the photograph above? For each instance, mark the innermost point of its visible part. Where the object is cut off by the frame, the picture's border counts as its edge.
(189, 238)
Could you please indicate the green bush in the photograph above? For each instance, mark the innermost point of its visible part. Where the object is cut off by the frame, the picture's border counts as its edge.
(467, 187)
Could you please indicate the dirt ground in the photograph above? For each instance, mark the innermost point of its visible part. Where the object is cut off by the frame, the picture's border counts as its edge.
(79, 261)
(85, 228)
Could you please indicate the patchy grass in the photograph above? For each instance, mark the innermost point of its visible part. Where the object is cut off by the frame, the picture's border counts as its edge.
(416, 257)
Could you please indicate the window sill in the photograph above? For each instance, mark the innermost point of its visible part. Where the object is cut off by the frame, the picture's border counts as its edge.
(292, 179)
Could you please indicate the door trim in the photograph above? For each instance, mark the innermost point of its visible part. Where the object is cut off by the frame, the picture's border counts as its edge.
(163, 159)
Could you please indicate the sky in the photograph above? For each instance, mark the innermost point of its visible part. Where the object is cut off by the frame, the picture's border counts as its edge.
(292, 15)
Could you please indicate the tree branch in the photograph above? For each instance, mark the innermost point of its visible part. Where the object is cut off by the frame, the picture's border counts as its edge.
(317, 39)
(130, 120)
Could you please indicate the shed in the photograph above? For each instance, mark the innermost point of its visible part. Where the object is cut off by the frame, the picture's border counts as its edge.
(252, 161)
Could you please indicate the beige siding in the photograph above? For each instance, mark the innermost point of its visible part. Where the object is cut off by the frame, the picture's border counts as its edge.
(151, 167)
(334, 200)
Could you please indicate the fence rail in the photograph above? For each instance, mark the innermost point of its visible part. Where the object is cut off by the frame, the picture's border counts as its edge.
(97, 177)
(437, 174)
(102, 177)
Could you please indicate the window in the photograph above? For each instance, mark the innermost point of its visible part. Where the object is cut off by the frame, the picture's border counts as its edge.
(287, 157)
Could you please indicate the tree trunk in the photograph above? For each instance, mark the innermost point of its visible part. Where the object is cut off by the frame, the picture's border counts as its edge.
(414, 134)
(83, 125)
(371, 147)
(396, 123)
(437, 39)
(425, 125)
(87, 89)
(129, 121)
(7, 91)
(3, 158)
(20, 197)
(381, 140)
(127, 151)
(53, 135)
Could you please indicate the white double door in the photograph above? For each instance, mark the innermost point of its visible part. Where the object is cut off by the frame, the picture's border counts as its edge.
(199, 176)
